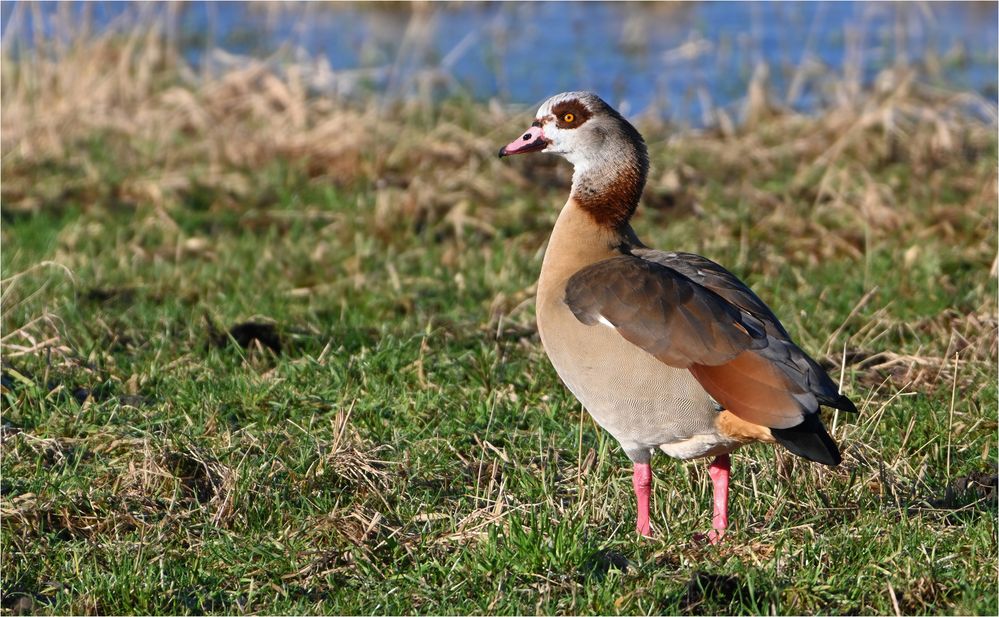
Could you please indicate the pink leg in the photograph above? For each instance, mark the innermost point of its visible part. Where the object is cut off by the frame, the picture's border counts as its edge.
(642, 481)
(719, 472)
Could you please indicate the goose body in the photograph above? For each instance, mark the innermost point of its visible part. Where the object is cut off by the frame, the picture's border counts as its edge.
(644, 403)
(667, 351)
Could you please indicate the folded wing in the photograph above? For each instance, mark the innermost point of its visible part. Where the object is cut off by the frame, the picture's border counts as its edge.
(781, 350)
(662, 311)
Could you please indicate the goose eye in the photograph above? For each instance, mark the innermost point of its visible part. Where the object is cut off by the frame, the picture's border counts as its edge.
(568, 117)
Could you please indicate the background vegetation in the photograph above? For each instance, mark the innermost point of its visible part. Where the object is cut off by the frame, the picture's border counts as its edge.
(271, 352)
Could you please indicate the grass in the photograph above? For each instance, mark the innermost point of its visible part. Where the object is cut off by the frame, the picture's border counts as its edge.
(269, 353)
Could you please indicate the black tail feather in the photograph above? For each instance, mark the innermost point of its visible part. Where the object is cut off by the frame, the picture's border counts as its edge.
(809, 440)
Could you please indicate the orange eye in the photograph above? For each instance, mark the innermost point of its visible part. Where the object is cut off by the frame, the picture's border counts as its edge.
(568, 117)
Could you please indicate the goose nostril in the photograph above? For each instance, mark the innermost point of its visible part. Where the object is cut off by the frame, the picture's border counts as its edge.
(527, 137)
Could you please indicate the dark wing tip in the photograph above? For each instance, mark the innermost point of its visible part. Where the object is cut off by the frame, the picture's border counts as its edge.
(837, 401)
(844, 404)
(809, 440)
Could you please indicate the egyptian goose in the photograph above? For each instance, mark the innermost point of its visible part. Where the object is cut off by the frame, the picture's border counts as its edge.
(667, 351)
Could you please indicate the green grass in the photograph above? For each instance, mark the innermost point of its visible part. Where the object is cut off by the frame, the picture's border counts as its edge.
(409, 449)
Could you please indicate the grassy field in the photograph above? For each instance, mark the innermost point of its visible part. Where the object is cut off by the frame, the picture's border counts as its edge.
(270, 353)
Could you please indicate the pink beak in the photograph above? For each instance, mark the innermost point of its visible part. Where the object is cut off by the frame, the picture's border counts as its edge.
(531, 141)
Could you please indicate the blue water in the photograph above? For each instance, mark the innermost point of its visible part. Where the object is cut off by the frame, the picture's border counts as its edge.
(678, 60)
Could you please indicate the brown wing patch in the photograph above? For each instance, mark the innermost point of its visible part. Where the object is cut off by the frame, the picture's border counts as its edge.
(705, 272)
(753, 389)
(570, 114)
(662, 312)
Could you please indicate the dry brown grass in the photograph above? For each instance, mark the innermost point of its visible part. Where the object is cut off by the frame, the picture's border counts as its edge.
(175, 131)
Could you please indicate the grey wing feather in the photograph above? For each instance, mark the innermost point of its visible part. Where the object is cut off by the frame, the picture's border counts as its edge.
(780, 350)
(663, 311)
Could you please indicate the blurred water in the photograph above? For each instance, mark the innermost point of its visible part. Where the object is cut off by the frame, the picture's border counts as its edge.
(675, 59)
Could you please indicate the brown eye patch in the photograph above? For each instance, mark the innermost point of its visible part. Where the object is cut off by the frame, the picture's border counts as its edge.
(570, 114)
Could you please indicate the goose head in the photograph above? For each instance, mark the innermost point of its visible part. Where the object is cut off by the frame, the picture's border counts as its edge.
(578, 126)
(608, 154)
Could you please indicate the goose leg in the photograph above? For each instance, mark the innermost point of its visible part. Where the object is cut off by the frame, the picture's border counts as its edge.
(719, 472)
(642, 481)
